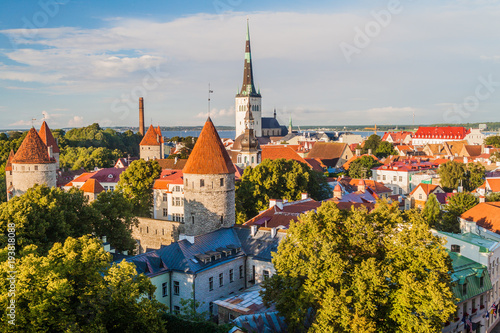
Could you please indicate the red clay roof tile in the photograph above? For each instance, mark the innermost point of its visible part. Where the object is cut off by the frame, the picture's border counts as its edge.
(92, 186)
(151, 138)
(209, 157)
(32, 150)
(46, 135)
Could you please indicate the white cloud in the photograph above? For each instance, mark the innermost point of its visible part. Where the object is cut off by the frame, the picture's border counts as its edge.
(76, 121)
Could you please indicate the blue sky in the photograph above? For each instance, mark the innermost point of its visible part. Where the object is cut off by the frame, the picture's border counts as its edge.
(325, 62)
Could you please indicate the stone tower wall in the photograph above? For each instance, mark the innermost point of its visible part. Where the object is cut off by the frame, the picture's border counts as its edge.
(25, 176)
(208, 203)
(150, 152)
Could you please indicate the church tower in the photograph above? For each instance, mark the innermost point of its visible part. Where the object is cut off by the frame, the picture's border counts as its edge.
(246, 147)
(33, 163)
(248, 92)
(208, 185)
(151, 146)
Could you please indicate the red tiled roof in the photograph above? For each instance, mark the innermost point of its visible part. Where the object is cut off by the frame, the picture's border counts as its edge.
(32, 150)
(47, 138)
(396, 137)
(8, 166)
(486, 215)
(447, 132)
(170, 164)
(377, 187)
(151, 138)
(92, 186)
(274, 152)
(168, 177)
(315, 164)
(209, 155)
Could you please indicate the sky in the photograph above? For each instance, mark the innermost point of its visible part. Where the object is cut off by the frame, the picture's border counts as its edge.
(392, 62)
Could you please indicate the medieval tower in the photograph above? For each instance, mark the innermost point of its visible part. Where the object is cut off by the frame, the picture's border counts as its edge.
(151, 146)
(208, 185)
(248, 92)
(46, 135)
(33, 163)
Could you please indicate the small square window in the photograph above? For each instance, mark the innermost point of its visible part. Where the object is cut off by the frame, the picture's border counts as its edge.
(164, 289)
(231, 275)
(176, 288)
(221, 279)
(265, 274)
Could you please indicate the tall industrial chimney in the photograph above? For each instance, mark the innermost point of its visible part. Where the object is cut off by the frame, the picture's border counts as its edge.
(141, 116)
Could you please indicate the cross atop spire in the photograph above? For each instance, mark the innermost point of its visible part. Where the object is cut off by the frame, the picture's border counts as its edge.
(248, 87)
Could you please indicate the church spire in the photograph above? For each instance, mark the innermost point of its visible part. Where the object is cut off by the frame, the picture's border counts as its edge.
(248, 87)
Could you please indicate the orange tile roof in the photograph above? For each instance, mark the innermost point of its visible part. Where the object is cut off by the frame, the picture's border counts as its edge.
(82, 178)
(151, 138)
(47, 138)
(486, 215)
(8, 166)
(209, 157)
(376, 187)
(32, 150)
(158, 131)
(274, 152)
(428, 188)
(92, 186)
(494, 184)
(169, 163)
(327, 150)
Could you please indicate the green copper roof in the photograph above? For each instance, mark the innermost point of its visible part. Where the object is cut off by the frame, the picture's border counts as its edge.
(484, 243)
(472, 274)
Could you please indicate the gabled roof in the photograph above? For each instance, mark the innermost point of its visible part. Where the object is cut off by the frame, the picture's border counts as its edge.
(472, 150)
(151, 138)
(427, 188)
(92, 186)
(396, 137)
(493, 184)
(8, 166)
(327, 150)
(274, 152)
(448, 132)
(486, 215)
(209, 157)
(47, 138)
(376, 187)
(32, 150)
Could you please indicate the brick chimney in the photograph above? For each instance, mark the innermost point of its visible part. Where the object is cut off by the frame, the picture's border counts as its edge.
(141, 116)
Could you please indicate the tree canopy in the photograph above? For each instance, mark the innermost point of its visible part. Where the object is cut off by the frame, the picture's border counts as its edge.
(454, 173)
(367, 272)
(44, 216)
(385, 149)
(493, 140)
(361, 167)
(73, 288)
(372, 143)
(432, 210)
(76, 158)
(458, 204)
(276, 179)
(137, 182)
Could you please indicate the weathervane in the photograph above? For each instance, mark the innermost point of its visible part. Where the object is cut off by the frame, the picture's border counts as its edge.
(209, 92)
(33, 122)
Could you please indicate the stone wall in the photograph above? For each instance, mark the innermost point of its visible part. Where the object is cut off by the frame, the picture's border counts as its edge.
(150, 152)
(25, 176)
(209, 203)
(152, 234)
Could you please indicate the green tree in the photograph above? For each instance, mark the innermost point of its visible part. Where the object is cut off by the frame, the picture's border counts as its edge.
(44, 216)
(189, 309)
(368, 272)
(385, 149)
(75, 289)
(432, 211)
(493, 197)
(456, 206)
(276, 179)
(137, 182)
(475, 176)
(116, 220)
(361, 167)
(493, 140)
(452, 175)
(372, 143)
(76, 158)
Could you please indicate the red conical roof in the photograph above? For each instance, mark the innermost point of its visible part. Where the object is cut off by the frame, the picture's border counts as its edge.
(8, 166)
(92, 186)
(151, 138)
(209, 157)
(32, 150)
(47, 138)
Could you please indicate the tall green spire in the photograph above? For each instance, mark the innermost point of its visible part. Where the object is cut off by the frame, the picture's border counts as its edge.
(248, 87)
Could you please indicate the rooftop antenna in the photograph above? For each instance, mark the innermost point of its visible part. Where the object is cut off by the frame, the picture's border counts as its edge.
(209, 92)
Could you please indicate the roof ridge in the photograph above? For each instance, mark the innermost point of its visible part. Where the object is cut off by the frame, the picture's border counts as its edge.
(32, 150)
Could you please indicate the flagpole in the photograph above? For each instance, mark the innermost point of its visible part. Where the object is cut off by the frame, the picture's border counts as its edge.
(209, 92)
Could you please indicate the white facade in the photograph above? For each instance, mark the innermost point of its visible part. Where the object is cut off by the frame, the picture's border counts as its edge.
(475, 137)
(397, 181)
(241, 105)
(168, 204)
